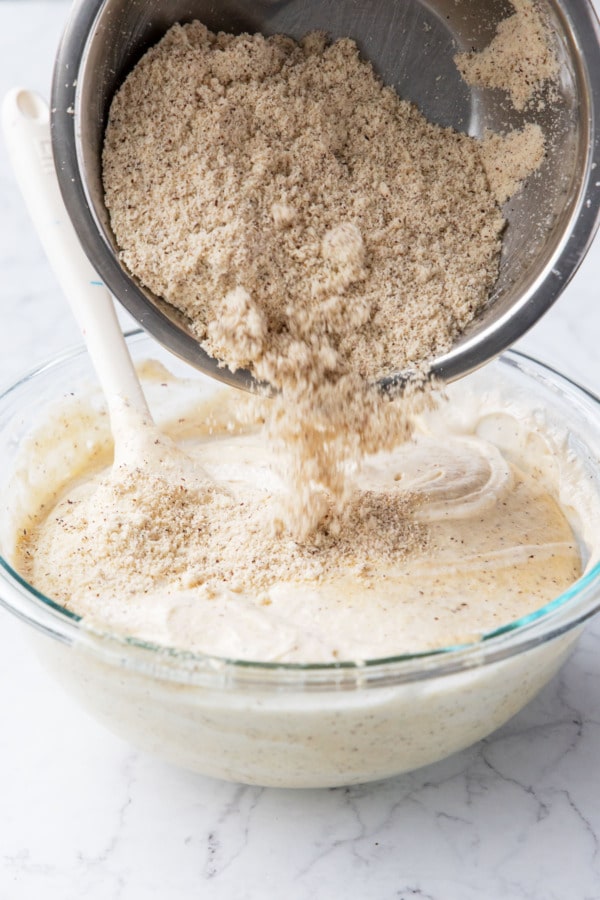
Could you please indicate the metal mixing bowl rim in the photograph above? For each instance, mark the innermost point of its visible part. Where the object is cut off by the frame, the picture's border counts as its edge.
(564, 613)
(584, 218)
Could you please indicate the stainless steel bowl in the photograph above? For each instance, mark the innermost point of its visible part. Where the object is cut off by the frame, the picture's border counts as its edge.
(411, 43)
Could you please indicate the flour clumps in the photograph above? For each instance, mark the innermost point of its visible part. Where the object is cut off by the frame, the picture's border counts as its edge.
(509, 158)
(519, 60)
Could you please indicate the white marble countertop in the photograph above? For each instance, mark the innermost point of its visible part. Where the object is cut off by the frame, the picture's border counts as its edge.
(83, 815)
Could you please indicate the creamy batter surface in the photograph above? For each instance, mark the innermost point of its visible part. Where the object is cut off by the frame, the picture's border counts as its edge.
(446, 537)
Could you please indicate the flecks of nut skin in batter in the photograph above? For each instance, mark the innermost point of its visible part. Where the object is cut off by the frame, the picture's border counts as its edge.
(428, 555)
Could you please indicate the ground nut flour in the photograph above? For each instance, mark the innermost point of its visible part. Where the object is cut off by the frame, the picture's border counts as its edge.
(311, 225)
(251, 173)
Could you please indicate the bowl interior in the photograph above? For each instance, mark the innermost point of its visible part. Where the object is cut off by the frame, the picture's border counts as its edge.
(411, 43)
(559, 405)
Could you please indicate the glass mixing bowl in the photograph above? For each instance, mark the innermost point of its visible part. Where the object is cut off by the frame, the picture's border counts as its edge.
(293, 725)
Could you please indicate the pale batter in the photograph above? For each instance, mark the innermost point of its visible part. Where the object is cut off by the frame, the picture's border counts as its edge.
(447, 538)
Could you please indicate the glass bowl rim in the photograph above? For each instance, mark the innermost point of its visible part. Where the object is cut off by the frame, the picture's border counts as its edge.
(563, 613)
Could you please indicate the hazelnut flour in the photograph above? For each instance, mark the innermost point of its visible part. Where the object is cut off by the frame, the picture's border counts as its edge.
(312, 227)
(287, 202)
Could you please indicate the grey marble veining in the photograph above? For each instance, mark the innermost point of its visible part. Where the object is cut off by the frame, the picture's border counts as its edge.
(516, 816)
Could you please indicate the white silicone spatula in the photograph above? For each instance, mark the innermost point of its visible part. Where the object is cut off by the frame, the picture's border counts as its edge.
(138, 441)
(26, 125)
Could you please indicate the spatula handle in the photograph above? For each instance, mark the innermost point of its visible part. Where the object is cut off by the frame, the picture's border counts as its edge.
(26, 126)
